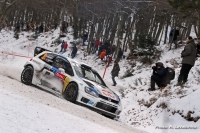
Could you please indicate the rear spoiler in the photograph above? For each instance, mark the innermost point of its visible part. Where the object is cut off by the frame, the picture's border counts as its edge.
(39, 50)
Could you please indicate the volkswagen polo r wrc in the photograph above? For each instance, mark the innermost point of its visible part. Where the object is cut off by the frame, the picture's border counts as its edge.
(76, 81)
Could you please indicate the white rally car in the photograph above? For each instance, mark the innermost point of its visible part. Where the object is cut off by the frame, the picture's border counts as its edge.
(77, 82)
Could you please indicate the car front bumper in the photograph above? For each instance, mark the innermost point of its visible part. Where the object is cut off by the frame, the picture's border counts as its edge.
(100, 105)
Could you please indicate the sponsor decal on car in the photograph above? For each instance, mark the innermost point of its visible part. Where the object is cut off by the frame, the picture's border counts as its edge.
(90, 103)
(60, 76)
(65, 80)
(108, 94)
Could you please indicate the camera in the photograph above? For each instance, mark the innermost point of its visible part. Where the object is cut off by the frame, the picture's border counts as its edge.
(154, 68)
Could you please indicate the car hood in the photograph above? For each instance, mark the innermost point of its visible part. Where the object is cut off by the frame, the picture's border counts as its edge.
(102, 90)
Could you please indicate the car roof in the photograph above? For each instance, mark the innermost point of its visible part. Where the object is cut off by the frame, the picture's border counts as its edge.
(68, 58)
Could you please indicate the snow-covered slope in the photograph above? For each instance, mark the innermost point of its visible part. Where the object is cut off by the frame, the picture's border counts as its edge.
(28, 109)
(170, 107)
(155, 112)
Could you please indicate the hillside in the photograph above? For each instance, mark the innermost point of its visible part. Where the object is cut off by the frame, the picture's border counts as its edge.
(159, 111)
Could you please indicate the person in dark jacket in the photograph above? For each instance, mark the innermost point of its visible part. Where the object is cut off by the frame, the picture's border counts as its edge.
(173, 36)
(92, 46)
(101, 48)
(85, 37)
(189, 56)
(198, 48)
(41, 28)
(158, 77)
(115, 72)
(62, 45)
(74, 51)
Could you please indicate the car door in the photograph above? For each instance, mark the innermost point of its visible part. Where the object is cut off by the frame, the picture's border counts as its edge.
(46, 74)
(63, 71)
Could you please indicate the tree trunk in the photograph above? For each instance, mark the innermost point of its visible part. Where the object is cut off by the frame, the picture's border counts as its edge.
(113, 29)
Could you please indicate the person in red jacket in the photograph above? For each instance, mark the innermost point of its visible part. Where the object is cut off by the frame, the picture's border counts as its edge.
(96, 45)
(65, 46)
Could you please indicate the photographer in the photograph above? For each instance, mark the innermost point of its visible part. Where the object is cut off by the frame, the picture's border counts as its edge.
(158, 77)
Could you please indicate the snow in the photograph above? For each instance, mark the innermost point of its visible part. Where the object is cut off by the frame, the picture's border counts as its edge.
(33, 117)
(29, 109)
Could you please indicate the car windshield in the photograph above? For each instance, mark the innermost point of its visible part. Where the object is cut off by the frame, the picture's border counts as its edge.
(88, 73)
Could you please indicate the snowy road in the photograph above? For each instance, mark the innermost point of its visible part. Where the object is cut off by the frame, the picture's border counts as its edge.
(27, 109)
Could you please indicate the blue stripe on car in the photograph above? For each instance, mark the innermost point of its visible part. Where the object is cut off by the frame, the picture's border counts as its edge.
(55, 70)
(63, 57)
(93, 89)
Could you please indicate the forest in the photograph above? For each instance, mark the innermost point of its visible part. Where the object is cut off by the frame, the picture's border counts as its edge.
(135, 25)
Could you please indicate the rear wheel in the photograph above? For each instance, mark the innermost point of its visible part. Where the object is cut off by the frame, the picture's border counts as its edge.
(71, 92)
(27, 75)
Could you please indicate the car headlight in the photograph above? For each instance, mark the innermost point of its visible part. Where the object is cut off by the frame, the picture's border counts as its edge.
(91, 92)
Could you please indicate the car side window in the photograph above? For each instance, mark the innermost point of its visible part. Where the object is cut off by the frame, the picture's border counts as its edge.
(88, 74)
(57, 62)
(48, 58)
(62, 63)
(68, 68)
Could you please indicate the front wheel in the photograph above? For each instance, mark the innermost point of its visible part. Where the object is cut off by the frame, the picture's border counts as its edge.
(71, 92)
(27, 75)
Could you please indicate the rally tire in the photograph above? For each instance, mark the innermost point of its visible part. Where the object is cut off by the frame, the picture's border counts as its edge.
(71, 92)
(27, 75)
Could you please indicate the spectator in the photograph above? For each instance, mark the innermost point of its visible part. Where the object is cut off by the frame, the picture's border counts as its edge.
(41, 28)
(85, 37)
(17, 27)
(109, 59)
(115, 72)
(92, 46)
(97, 44)
(103, 54)
(173, 36)
(198, 48)
(65, 46)
(62, 45)
(189, 56)
(74, 51)
(106, 44)
(101, 48)
(158, 77)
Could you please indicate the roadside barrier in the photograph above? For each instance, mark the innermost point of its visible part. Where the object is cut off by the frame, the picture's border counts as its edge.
(4, 53)
(104, 71)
